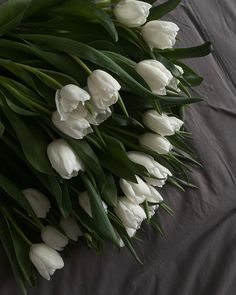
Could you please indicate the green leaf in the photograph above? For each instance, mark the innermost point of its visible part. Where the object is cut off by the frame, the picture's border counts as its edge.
(13, 191)
(66, 206)
(21, 249)
(94, 56)
(190, 52)
(88, 10)
(99, 215)
(189, 75)
(120, 164)
(89, 158)
(109, 191)
(38, 6)
(11, 14)
(8, 247)
(2, 129)
(33, 141)
(161, 10)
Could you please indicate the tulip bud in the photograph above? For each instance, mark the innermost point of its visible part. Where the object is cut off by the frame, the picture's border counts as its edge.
(54, 238)
(155, 74)
(63, 159)
(75, 125)
(85, 203)
(156, 143)
(132, 13)
(161, 124)
(175, 82)
(160, 34)
(103, 89)
(155, 196)
(71, 228)
(68, 98)
(153, 167)
(151, 210)
(38, 201)
(135, 192)
(45, 259)
(131, 214)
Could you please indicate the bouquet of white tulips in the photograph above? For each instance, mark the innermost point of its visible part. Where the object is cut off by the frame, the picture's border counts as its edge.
(92, 102)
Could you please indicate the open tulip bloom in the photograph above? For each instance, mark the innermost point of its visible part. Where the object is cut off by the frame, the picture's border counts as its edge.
(92, 106)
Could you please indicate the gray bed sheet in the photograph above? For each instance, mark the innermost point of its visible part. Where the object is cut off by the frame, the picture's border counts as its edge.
(197, 256)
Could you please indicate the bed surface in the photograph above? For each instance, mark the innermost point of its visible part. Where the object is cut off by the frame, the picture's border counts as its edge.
(198, 254)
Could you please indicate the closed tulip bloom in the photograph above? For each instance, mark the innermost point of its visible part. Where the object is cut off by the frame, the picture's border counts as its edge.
(152, 210)
(103, 89)
(45, 259)
(54, 238)
(153, 167)
(38, 201)
(71, 228)
(156, 143)
(75, 126)
(135, 192)
(132, 13)
(131, 214)
(69, 98)
(160, 34)
(161, 123)
(155, 74)
(85, 203)
(155, 196)
(63, 159)
(175, 82)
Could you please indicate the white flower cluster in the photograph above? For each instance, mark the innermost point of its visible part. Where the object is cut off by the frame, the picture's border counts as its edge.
(78, 109)
(44, 256)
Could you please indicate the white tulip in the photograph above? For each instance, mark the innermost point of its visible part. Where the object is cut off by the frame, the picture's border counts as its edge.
(155, 196)
(130, 231)
(132, 13)
(155, 74)
(135, 192)
(98, 116)
(68, 98)
(152, 210)
(45, 259)
(153, 167)
(53, 238)
(76, 125)
(38, 201)
(85, 203)
(161, 123)
(131, 214)
(71, 228)
(103, 89)
(156, 143)
(160, 34)
(63, 159)
(175, 82)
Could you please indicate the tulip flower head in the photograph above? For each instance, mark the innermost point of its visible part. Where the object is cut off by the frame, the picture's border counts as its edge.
(38, 201)
(132, 13)
(63, 159)
(45, 259)
(160, 34)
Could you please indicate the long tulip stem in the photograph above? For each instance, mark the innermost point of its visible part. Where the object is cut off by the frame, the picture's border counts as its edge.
(83, 65)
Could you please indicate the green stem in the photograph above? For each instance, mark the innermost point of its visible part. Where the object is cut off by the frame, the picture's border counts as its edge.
(27, 218)
(42, 74)
(95, 128)
(8, 216)
(83, 65)
(122, 106)
(121, 131)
